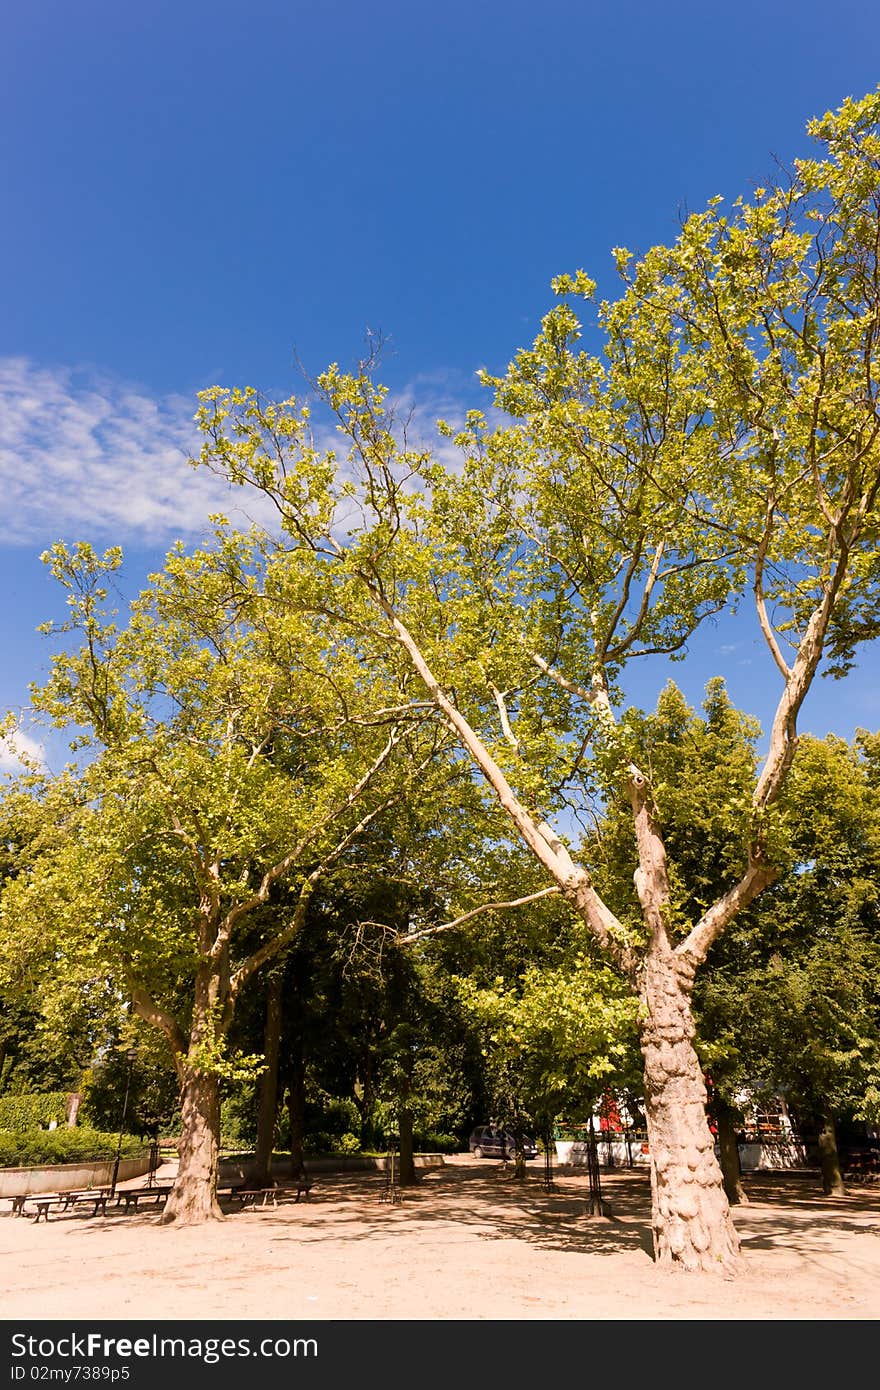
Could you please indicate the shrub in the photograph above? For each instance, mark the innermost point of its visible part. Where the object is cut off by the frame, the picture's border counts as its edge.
(348, 1144)
(26, 1112)
(438, 1144)
(39, 1146)
(319, 1142)
(238, 1119)
(341, 1116)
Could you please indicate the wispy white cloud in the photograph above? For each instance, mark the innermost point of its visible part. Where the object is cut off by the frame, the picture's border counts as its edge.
(18, 749)
(84, 456)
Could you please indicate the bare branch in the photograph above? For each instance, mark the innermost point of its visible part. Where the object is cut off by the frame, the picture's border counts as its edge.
(504, 716)
(466, 916)
(146, 1008)
(758, 590)
(563, 681)
(757, 877)
(276, 944)
(283, 865)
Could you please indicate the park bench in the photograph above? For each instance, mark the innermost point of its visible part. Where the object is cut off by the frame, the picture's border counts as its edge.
(43, 1204)
(18, 1201)
(862, 1166)
(256, 1196)
(300, 1185)
(133, 1195)
(96, 1195)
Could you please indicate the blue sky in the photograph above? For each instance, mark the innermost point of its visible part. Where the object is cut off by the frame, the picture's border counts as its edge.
(193, 192)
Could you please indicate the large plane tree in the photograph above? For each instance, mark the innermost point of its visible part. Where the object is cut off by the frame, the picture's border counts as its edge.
(716, 439)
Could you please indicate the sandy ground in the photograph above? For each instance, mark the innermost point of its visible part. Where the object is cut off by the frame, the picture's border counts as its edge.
(468, 1243)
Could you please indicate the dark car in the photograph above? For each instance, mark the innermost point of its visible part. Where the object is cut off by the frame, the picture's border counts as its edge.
(487, 1141)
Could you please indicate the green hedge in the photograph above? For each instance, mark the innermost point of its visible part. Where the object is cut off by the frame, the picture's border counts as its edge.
(20, 1113)
(40, 1146)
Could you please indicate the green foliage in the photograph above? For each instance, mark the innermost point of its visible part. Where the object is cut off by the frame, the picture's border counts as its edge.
(238, 1118)
(26, 1112)
(707, 438)
(702, 770)
(152, 1103)
(435, 646)
(553, 1040)
(791, 999)
(79, 1145)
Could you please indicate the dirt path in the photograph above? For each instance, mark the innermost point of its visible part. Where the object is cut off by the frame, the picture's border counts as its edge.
(467, 1243)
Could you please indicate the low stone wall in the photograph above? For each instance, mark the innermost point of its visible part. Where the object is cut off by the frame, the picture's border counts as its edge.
(764, 1157)
(66, 1177)
(772, 1156)
(233, 1169)
(612, 1153)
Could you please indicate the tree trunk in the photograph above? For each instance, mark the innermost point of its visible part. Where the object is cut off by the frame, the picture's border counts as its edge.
(260, 1171)
(407, 1161)
(296, 1105)
(829, 1159)
(690, 1213)
(729, 1154)
(519, 1158)
(193, 1197)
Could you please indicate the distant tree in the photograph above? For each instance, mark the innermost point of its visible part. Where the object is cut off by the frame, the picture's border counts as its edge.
(553, 1042)
(232, 746)
(792, 1002)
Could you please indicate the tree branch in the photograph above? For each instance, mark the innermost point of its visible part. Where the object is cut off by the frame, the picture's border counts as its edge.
(466, 916)
(146, 1008)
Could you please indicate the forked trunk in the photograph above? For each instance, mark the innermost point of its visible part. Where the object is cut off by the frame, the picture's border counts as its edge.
(690, 1213)
(829, 1159)
(194, 1196)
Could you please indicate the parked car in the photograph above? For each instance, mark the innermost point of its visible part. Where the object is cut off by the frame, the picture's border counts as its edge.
(489, 1142)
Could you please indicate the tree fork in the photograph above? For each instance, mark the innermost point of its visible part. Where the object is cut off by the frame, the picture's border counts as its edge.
(691, 1218)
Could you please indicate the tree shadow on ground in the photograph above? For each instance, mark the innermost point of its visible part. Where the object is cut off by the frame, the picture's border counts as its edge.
(489, 1202)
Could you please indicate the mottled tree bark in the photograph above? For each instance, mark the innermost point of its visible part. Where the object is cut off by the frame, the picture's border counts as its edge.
(829, 1159)
(193, 1197)
(690, 1213)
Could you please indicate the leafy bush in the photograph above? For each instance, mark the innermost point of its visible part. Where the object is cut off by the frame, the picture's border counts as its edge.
(438, 1144)
(39, 1146)
(238, 1119)
(26, 1112)
(341, 1116)
(318, 1142)
(348, 1144)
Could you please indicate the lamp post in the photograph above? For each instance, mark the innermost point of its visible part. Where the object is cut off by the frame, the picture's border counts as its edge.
(130, 1054)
